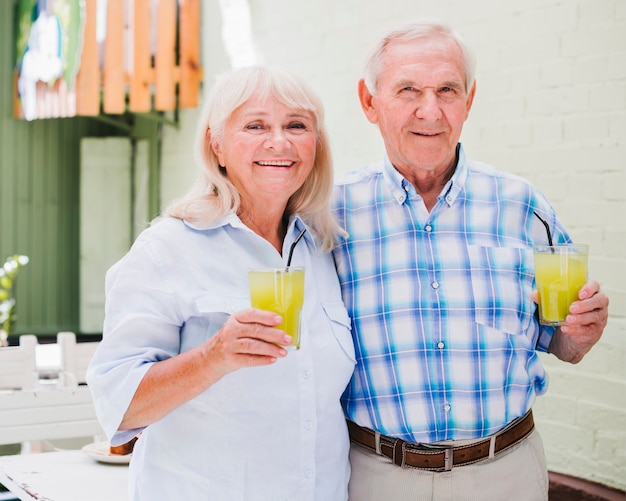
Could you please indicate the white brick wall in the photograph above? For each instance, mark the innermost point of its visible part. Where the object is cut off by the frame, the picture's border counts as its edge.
(550, 106)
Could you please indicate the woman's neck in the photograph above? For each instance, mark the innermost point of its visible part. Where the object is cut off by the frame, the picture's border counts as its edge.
(268, 225)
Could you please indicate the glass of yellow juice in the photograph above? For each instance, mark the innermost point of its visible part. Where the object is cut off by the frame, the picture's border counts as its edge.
(560, 272)
(280, 290)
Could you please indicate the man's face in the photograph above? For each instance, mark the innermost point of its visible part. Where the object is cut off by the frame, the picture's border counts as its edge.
(421, 104)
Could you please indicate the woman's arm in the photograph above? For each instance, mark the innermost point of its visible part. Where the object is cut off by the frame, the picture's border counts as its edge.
(247, 339)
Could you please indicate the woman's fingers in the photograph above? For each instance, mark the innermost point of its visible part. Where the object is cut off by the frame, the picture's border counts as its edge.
(249, 338)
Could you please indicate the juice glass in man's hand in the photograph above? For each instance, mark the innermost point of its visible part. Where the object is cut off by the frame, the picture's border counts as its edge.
(560, 272)
(280, 290)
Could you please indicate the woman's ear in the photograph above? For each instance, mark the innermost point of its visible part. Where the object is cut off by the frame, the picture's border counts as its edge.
(215, 145)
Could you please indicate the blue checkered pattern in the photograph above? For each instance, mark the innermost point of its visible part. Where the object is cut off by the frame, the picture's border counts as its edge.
(445, 330)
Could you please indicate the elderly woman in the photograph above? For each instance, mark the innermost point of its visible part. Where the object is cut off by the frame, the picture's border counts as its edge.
(221, 409)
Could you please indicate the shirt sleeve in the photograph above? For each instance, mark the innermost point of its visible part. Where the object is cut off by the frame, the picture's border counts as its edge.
(545, 336)
(142, 326)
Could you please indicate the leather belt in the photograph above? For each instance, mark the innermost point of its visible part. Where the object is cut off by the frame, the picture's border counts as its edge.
(442, 457)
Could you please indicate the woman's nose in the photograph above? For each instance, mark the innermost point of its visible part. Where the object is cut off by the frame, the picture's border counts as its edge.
(277, 138)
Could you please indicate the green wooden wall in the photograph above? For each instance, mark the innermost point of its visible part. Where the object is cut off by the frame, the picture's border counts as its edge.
(39, 198)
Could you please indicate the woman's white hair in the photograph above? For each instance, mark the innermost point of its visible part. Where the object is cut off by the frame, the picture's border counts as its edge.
(213, 195)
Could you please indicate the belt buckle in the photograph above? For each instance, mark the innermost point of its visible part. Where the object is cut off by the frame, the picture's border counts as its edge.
(448, 454)
(395, 444)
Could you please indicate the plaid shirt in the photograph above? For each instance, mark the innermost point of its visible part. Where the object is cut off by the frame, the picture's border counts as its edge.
(444, 327)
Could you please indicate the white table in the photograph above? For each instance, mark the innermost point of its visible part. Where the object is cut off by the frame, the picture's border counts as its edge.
(63, 476)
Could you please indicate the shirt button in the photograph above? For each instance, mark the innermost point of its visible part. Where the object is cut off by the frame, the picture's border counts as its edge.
(308, 425)
(308, 473)
(440, 345)
(449, 199)
(447, 407)
(428, 227)
(407, 188)
(435, 285)
(401, 198)
(306, 374)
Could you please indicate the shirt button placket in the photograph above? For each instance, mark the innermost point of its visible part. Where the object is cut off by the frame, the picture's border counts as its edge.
(308, 428)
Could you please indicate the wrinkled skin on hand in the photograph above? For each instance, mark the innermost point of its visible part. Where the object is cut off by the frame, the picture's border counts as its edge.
(585, 324)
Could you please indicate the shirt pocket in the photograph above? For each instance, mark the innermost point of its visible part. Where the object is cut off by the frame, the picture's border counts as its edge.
(211, 311)
(502, 280)
(214, 303)
(339, 320)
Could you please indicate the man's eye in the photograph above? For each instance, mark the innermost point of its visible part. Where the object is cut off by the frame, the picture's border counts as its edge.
(447, 89)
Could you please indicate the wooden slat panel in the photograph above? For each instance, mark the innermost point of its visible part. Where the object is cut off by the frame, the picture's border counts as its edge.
(140, 80)
(114, 89)
(189, 53)
(141, 73)
(165, 56)
(88, 77)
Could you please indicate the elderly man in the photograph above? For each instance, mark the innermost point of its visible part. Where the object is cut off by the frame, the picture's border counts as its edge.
(437, 274)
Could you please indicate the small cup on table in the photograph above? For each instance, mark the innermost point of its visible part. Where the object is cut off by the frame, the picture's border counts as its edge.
(560, 272)
(280, 290)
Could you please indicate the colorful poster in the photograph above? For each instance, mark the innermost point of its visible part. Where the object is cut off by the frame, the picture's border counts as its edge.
(48, 46)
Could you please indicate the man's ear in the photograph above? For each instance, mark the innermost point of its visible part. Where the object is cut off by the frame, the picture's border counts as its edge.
(367, 102)
(470, 99)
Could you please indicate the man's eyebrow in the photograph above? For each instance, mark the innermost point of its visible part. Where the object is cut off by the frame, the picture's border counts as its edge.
(455, 84)
(406, 83)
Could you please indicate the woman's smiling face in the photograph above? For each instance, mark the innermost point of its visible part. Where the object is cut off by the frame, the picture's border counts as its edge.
(267, 149)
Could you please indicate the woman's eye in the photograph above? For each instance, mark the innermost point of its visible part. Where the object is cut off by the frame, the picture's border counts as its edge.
(296, 125)
(254, 127)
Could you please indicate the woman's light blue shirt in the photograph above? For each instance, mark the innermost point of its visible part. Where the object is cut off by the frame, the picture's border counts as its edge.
(275, 432)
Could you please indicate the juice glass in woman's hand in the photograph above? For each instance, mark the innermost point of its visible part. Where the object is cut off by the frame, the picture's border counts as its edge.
(280, 290)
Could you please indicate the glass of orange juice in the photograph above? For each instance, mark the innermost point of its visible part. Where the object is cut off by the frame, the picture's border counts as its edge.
(560, 272)
(280, 290)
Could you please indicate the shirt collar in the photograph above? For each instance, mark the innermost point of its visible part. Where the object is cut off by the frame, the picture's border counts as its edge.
(401, 189)
(296, 225)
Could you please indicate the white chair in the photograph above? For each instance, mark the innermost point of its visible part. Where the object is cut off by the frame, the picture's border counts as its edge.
(33, 412)
(75, 358)
(18, 366)
(43, 414)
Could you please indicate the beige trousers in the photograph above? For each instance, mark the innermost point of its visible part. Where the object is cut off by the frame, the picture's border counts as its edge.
(519, 474)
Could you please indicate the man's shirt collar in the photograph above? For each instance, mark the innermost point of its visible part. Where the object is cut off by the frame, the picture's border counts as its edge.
(401, 189)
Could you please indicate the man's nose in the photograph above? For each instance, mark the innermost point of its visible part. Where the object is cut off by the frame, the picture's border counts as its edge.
(428, 106)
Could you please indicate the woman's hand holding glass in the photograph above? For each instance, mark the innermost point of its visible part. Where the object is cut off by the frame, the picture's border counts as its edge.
(248, 338)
